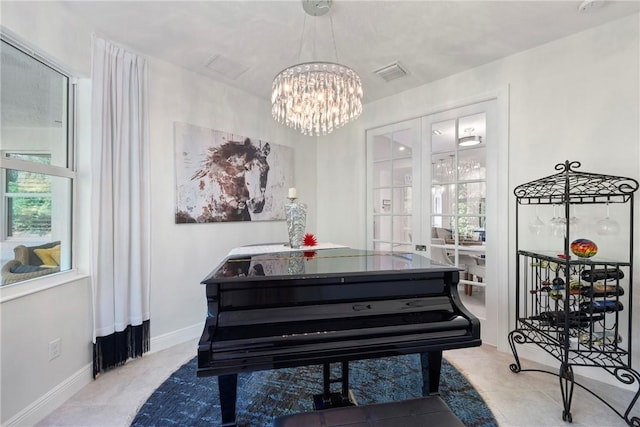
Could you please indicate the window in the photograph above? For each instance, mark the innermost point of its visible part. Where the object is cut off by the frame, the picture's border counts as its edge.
(37, 177)
(28, 197)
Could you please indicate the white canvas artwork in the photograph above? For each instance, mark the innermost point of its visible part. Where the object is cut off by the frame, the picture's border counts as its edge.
(222, 176)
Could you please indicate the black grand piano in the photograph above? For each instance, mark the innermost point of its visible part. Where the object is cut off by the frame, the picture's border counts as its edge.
(295, 308)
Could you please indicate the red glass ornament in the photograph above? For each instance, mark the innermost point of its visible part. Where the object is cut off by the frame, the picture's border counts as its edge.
(309, 240)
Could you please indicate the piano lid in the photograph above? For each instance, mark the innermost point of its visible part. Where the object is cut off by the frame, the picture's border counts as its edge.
(320, 263)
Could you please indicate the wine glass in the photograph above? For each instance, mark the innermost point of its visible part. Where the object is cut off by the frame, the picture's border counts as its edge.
(574, 222)
(536, 225)
(557, 223)
(607, 226)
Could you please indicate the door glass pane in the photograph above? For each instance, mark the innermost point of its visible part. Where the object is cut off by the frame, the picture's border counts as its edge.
(443, 199)
(442, 228)
(471, 229)
(472, 164)
(382, 227)
(382, 147)
(402, 200)
(471, 131)
(402, 174)
(443, 168)
(472, 198)
(443, 136)
(402, 229)
(402, 143)
(382, 200)
(382, 174)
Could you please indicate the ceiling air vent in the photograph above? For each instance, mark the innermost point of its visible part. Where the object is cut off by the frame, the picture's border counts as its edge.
(391, 72)
(226, 67)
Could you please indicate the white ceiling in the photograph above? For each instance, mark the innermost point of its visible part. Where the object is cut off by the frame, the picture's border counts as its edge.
(431, 39)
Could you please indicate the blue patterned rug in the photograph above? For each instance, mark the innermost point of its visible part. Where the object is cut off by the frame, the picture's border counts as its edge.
(186, 400)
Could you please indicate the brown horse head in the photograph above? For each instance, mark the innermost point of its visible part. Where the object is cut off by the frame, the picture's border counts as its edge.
(240, 170)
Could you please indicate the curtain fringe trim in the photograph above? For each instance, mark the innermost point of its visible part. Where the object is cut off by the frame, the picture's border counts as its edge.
(115, 349)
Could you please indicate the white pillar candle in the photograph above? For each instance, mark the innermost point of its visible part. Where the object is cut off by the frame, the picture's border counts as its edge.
(293, 193)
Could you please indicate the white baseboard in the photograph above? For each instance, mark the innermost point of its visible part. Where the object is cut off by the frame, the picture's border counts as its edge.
(55, 397)
(179, 336)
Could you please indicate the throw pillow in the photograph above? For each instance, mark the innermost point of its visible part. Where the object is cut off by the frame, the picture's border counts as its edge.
(49, 256)
(33, 257)
(27, 268)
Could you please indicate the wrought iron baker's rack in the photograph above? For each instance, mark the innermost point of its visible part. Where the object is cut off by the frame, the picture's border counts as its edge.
(552, 310)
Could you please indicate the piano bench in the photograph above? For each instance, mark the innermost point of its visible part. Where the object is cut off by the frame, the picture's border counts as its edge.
(419, 412)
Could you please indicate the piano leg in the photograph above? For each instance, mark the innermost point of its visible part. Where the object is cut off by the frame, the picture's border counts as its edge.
(431, 363)
(336, 399)
(346, 399)
(227, 387)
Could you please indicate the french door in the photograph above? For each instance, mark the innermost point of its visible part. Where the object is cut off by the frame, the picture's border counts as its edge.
(458, 186)
(432, 188)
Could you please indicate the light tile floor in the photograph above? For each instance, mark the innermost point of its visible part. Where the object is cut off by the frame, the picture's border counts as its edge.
(524, 399)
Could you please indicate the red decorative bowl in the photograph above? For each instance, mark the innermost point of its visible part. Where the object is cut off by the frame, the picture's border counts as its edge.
(584, 248)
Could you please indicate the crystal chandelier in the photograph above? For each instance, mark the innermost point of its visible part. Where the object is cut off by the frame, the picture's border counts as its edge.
(316, 97)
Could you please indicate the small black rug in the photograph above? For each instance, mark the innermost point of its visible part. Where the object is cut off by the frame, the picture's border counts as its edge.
(186, 400)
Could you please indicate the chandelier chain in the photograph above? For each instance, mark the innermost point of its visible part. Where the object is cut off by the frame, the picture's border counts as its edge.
(333, 37)
(304, 24)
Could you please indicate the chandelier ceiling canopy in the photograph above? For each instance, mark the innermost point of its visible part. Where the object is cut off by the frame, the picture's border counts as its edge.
(316, 97)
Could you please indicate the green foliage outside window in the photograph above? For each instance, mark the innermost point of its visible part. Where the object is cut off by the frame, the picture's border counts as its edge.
(29, 199)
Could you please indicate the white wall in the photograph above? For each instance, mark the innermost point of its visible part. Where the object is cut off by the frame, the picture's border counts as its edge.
(29, 380)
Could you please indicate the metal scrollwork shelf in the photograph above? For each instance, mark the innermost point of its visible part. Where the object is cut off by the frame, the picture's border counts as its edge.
(577, 309)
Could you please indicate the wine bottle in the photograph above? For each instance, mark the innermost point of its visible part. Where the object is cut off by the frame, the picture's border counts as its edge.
(601, 306)
(594, 275)
(601, 290)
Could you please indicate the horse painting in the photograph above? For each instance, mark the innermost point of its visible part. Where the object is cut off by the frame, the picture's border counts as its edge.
(234, 175)
(224, 177)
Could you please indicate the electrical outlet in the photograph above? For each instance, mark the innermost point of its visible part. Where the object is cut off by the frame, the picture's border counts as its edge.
(54, 348)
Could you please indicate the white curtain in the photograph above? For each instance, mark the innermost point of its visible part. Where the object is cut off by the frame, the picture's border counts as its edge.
(120, 208)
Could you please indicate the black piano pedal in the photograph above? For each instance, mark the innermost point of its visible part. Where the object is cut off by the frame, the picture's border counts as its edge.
(330, 399)
(334, 400)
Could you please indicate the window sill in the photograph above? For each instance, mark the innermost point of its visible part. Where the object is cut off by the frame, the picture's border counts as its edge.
(39, 284)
